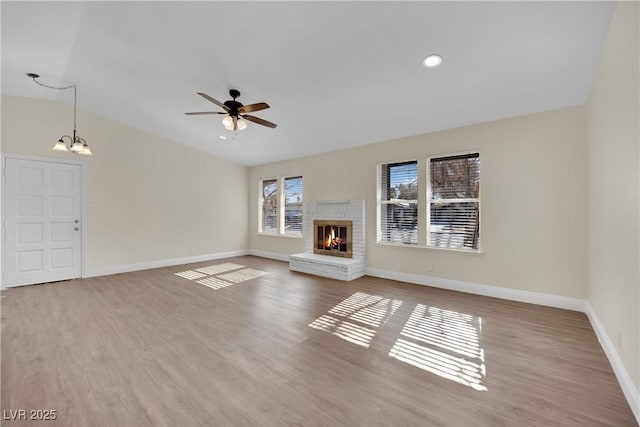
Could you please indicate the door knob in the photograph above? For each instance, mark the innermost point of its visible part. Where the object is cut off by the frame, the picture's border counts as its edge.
(75, 221)
(76, 228)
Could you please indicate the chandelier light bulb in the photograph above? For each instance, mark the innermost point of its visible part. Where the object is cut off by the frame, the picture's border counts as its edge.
(86, 150)
(77, 146)
(60, 146)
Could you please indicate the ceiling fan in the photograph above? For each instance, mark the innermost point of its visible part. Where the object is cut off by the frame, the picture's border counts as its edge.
(235, 112)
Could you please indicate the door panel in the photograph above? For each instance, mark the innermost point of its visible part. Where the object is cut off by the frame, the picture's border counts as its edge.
(62, 180)
(61, 258)
(61, 232)
(29, 233)
(30, 206)
(43, 221)
(61, 206)
(29, 261)
(31, 178)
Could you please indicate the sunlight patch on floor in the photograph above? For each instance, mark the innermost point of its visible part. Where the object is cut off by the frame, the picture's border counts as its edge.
(219, 268)
(445, 329)
(190, 275)
(437, 362)
(445, 343)
(218, 276)
(214, 283)
(372, 310)
(242, 275)
(357, 318)
(346, 330)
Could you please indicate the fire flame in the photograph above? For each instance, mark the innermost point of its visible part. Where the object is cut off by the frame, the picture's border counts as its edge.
(331, 241)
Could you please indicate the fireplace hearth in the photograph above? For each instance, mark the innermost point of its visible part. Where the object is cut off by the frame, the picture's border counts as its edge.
(333, 238)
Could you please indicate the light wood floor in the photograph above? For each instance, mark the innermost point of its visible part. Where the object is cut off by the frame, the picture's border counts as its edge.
(153, 348)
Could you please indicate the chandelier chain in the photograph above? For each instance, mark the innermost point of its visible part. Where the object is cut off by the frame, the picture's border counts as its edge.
(75, 96)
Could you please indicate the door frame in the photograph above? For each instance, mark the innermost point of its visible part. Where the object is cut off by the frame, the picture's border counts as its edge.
(83, 194)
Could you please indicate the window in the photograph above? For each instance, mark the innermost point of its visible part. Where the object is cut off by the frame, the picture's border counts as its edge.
(280, 211)
(453, 202)
(293, 205)
(269, 204)
(398, 203)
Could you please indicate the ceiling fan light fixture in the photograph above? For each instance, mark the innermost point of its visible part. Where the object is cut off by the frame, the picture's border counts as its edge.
(228, 122)
(235, 113)
(432, 60)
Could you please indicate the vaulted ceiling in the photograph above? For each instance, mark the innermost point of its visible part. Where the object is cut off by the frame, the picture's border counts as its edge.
(336, 74)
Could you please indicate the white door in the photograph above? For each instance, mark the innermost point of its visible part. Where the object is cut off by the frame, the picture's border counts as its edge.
(43, 213)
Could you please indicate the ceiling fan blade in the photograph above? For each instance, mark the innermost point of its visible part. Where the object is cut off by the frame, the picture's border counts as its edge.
(215, 101)
(253, 107)
(204, 112)
(259, 121)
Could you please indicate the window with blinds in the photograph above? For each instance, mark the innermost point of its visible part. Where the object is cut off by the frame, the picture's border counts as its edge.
(293, 205)
(453, 202)
(280, 209)
(398, 204)
(269, 206)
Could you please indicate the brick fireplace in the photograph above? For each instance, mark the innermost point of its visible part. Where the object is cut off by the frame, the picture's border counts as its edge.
(335, 242)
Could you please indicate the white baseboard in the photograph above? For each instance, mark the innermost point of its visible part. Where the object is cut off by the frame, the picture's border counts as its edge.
(626, 383)
(270, 255)
(163, 263)
(556, 301)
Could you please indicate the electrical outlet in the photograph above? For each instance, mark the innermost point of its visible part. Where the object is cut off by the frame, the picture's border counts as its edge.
(429, 267)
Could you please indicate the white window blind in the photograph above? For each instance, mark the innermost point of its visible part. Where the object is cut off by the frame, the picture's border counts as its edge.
(280, 211)
(398, 204)
(293, 205)
(453, 202)
(269, 206)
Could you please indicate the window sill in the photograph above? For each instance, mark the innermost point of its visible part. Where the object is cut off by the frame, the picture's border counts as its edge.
(289, 236)
(431, 248)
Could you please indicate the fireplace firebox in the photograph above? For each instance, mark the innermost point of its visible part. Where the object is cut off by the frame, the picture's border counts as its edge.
(333, 238)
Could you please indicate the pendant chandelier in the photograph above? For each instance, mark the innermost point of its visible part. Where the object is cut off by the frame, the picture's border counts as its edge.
(76, 144)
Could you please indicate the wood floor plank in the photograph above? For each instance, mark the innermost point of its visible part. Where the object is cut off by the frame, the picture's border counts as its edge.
(285, 348)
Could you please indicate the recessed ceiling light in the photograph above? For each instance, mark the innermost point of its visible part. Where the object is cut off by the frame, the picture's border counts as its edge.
(222, 137)
(432, 61)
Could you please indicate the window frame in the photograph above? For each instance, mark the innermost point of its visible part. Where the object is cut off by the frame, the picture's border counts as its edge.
(280, 207)
(429, 199)
(261, 200)
(380, 203)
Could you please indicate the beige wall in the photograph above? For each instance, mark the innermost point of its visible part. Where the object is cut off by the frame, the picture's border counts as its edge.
(149, 199)
(533, 173)
(613, 190)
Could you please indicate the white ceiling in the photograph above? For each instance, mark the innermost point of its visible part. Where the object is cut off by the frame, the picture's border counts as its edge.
(336, 74)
